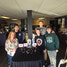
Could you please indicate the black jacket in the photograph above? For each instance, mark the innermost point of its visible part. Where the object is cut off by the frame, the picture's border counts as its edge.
(41, 41)
(19, 36)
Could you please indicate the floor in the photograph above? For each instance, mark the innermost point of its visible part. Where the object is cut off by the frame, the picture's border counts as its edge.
(3, 58)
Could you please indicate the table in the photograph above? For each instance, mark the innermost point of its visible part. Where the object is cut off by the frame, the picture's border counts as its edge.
(23, 59)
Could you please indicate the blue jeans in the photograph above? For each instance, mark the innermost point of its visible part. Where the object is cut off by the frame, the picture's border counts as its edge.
(52, 57)
(9, 59)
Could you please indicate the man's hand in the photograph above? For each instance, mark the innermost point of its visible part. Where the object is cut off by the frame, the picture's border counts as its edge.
(56, 51)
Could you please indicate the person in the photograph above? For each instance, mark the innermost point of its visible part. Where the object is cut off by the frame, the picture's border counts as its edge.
(43, 32)
(11, 46)
(40, 40)
(52, 46)
(19, 34)
(42, 28)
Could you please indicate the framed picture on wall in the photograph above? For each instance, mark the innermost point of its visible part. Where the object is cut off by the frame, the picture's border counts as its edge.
(59, 21)
(63, 22)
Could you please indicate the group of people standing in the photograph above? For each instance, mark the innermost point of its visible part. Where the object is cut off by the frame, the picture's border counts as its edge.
(46, 39)
(50, 41)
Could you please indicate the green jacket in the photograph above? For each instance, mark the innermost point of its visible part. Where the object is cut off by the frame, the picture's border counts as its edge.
(52, 41)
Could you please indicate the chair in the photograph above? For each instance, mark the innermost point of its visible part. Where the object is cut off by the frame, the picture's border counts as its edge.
(63, 61)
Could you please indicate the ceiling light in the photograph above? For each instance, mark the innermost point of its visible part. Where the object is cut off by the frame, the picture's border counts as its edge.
(5, 17)
(14, 19)
(41, 18)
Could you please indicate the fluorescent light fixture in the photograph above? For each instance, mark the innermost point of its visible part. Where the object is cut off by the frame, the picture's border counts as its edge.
(41, 18)
(14, 19)
(5, 17)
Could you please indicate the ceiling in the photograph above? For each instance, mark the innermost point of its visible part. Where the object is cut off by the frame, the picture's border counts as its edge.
(41, 8)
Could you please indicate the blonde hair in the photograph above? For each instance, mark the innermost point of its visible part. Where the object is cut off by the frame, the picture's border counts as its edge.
(9, 36)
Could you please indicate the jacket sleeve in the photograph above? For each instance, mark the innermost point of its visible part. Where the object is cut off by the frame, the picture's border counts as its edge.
(56, 42)
(7, 46)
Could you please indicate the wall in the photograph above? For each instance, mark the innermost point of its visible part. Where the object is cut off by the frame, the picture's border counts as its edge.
(16, 21)
(46, 21)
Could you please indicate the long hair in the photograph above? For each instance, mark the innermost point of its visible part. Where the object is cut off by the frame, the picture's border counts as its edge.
(9, 36)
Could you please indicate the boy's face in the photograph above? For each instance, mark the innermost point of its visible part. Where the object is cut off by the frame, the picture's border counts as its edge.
(38, 32)
(41, 24)
(48, 30)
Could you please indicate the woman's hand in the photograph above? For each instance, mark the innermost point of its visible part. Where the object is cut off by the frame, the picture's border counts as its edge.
(14, 49)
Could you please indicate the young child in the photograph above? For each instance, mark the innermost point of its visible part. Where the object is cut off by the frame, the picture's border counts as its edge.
(40, 40)
(52, 46)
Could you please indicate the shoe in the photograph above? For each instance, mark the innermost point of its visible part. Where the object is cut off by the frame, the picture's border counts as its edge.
(43, 65)
(8, 65)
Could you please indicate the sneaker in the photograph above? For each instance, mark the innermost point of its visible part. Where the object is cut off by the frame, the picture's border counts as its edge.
(43, 65)
(8, 65)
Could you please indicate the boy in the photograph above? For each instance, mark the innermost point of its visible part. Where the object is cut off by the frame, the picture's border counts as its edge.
(40, 40)
(52, 46)
(42, 28)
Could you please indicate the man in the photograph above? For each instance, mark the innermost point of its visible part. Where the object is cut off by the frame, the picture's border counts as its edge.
(42, 29)
(52, 46)
(19, 34)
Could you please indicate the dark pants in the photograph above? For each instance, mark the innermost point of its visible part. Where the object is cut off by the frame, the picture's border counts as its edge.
(43, 54)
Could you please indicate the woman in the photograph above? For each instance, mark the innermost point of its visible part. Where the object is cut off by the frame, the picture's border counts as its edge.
(11, 45)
